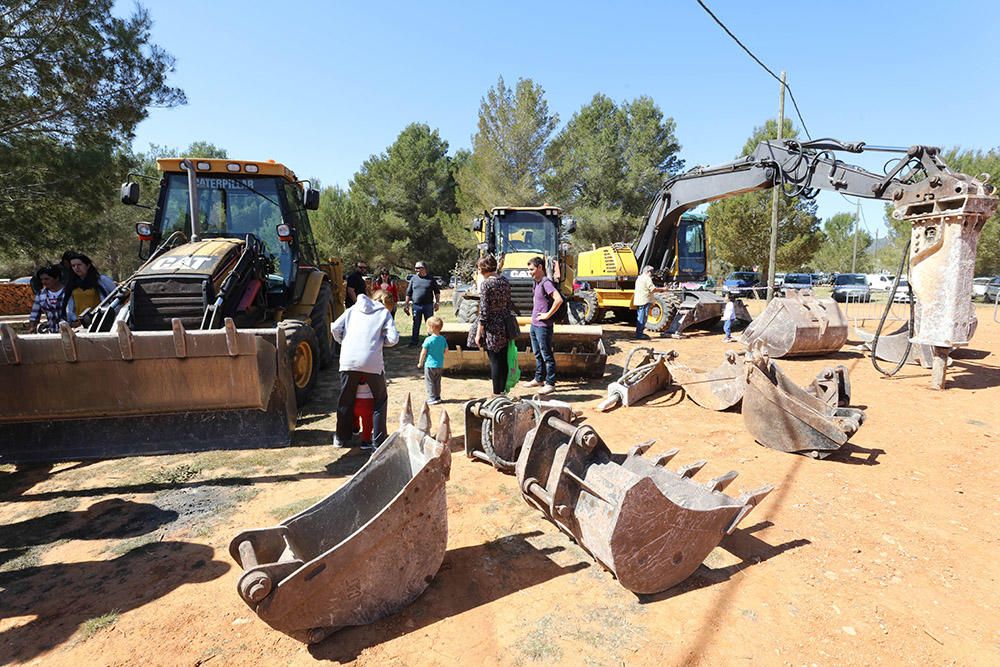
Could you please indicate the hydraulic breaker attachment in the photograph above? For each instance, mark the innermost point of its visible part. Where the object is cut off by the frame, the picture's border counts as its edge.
(77, 396)
(635, 384)
(578, 349)
(718, 389)
(650, 526)
(781, 415)
(362, 553)
(703, 310)
(495, 427)
(798, 325)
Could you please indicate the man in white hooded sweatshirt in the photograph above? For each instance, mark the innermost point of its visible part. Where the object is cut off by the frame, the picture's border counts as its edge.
(362, 331)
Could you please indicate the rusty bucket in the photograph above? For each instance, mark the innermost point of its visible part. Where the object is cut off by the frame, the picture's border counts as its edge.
(783, 416)
(797, 325)
(699, 309)
(717, 389)
(362, 553)
(578, 349)
(495, 427)
(649, 525)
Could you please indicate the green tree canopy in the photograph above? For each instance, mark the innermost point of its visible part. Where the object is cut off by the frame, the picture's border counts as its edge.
(608, 163)
(975, 163)
(836, 252)
(741, 226)
(508, 151)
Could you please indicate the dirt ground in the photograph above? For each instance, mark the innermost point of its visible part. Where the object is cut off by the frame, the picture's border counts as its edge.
(886, 554)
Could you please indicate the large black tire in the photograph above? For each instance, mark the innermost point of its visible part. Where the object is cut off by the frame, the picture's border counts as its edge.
(303, 358)
(661, 313)
(466, 310)
(321, 318)
(625, 315)
(584, 310)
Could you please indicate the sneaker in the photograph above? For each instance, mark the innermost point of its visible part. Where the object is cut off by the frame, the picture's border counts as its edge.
(367, 447)
(434, 401)
(337, 442)
(546, 390)
(532, 383)
(727, 339)
(642, 337)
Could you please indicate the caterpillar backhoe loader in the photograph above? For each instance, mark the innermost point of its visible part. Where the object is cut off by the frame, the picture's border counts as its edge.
(211, 344)
(514, 235)
(946, 211)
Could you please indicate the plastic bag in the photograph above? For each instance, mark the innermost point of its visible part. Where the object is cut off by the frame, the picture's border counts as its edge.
(513, 369)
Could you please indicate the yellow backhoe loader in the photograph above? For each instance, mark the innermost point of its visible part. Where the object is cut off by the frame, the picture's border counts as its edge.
(211, 344)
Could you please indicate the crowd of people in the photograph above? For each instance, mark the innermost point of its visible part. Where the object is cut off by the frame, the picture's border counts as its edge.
(65, 291)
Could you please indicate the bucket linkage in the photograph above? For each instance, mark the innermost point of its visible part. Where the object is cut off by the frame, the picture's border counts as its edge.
(495, 427)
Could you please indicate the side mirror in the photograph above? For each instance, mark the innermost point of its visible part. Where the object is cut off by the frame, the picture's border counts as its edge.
(483, 247)
(477, 224)
(284, 231)
(311, 199)
(143, 230)
(130, 193)
(569, 225)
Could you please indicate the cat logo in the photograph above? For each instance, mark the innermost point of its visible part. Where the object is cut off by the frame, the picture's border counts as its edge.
(518, 273)
(193, 263)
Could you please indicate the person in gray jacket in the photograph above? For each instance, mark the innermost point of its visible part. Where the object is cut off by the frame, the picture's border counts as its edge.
(362, 331)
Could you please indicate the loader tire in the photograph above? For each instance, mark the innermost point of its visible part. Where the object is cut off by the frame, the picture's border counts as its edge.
(625, 315)
(303, 358)
(661, 313)
(321, 318)
(466, 310)
(585, 310)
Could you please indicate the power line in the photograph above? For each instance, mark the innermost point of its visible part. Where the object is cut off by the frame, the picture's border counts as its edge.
(759, 62)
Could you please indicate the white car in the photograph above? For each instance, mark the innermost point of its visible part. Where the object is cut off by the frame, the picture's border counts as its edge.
(880, 281)
(979, 287)
(902, 294)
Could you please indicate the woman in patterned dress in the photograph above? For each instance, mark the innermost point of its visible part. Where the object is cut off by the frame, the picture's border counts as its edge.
(490, 332)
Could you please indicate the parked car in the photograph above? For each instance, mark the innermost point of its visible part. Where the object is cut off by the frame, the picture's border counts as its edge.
(779, 279)
(902, 294)
(979, 287)
(816, 278)
(992, 290)
(743, 283)
(880, 281)
(796, 281)
(851, 287)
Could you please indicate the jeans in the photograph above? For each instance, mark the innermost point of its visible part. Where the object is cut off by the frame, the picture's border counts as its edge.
(432, 382)
(499, 368)
(545, 360)
(727, 326)
(421, 311)
(642, 312)
(345, 406)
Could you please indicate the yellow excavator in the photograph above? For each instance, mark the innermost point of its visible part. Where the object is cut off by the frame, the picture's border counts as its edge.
(212, 344)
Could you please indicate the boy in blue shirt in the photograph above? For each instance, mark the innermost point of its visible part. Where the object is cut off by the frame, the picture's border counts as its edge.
(432, 359)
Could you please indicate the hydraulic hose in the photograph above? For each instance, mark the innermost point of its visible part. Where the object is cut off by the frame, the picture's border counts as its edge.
(903, 263)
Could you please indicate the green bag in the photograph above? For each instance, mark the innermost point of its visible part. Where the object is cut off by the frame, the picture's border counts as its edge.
(513, 369)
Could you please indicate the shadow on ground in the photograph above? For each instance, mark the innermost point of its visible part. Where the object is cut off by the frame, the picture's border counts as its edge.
(108, 519)
(469, 577)
(60, 598)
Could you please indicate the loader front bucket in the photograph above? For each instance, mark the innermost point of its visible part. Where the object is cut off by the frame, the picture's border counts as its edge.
(579, 351)
(362, 553)
(635, 384)
(703, 310)
(783, 416)
(718, 389)
(104, 395)
(798, 325)
(495, 427)
(650, 526)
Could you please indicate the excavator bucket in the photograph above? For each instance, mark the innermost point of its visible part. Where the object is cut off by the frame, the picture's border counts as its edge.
(649, 525)
(362, 553)
(123, 393)
(798, 325)
(703, 310)
(579, 351)
(495, 427)
(783, 416)
(635, 384)
(892, 346)
(718, 389)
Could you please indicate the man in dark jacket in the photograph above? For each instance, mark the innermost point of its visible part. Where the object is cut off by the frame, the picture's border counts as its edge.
(356, 283)
(425, 293)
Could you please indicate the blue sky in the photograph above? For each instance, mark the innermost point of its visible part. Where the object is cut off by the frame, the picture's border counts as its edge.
(321, 86)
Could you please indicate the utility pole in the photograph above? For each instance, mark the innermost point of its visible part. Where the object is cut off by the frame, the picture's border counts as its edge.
(854, 256)
(776, 192)
(875, 252)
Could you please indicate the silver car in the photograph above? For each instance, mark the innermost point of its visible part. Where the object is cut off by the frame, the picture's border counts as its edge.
(979, 287)
(992, 291)
(851, 287)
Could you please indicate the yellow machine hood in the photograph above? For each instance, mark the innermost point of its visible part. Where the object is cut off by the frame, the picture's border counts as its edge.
(199, 258)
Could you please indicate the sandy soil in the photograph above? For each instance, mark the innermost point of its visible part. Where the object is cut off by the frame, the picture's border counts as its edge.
(886, 554)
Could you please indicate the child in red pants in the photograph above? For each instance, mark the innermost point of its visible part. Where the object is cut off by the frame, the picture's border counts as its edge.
(364, 407)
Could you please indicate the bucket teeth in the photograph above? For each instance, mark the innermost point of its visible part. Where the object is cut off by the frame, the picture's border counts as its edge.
(424, 422)
(691, 469)
(665, 458)
(444, 428)
(750, 499)
(69, 342)
(722, 481)
(641, 448)
(406, 416)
